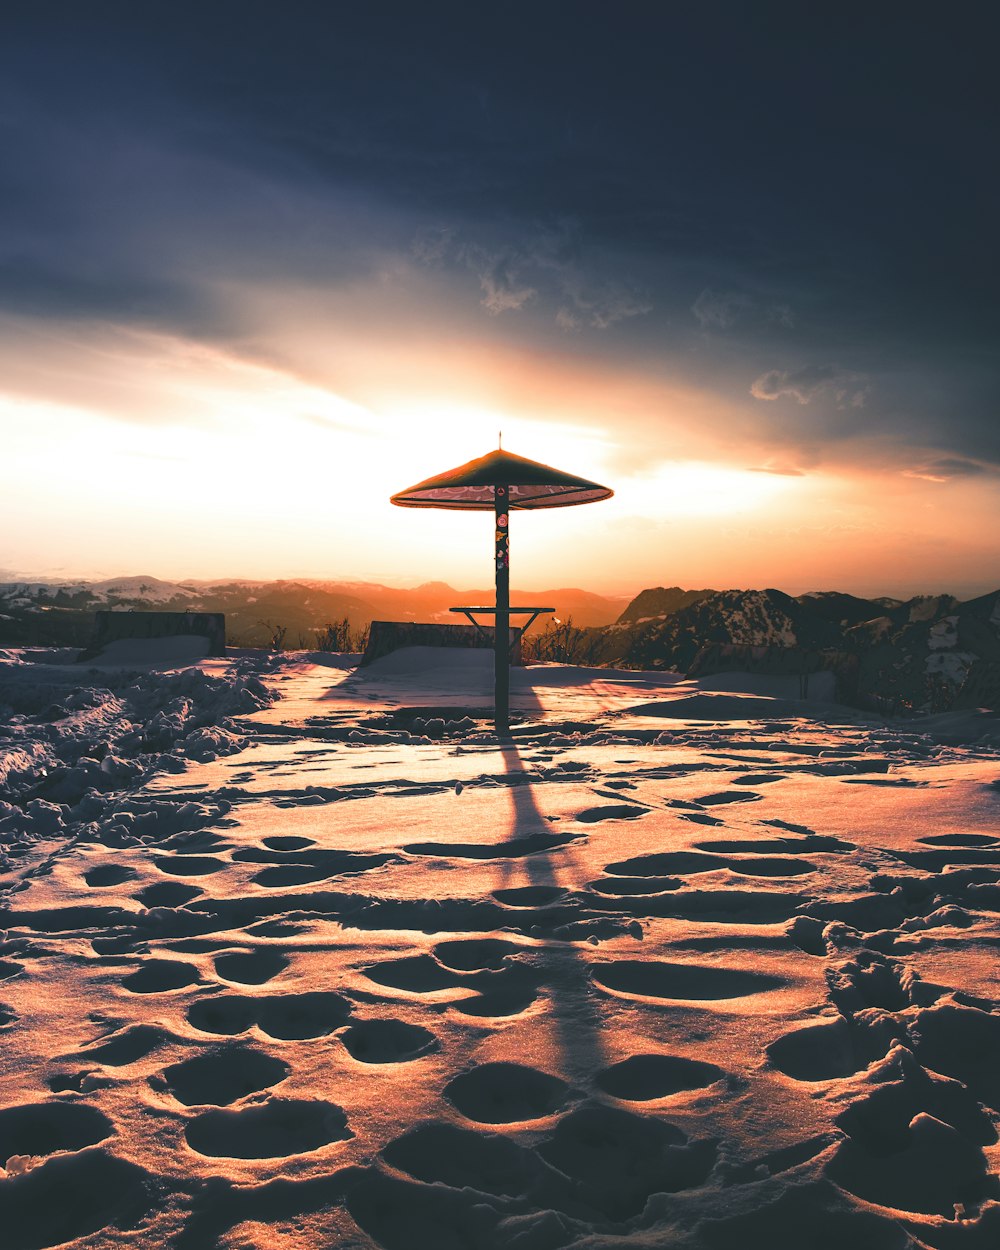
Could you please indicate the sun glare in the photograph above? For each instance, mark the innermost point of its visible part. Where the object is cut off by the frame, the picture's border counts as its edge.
(226, 466)
(691, 489)
(430, 436)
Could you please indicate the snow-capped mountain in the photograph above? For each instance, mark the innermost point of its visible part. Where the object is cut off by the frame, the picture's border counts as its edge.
(929, 653)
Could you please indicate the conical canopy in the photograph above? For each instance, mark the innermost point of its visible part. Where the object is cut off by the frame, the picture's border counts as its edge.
(532, 485)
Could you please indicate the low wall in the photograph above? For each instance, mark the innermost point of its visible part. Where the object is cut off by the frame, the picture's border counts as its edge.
(386, 636)
(111, 626)
(981, 687)
(721, 657)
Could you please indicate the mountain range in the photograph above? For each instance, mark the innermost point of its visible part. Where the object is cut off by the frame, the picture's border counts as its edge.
(61, 613)
(929, 653)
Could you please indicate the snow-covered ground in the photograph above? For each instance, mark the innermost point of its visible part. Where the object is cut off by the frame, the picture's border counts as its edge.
(698, 965)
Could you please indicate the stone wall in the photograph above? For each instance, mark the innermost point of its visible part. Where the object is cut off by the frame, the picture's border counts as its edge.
(110, 626)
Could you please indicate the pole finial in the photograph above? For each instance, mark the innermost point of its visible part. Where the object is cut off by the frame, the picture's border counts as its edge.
(500, 440)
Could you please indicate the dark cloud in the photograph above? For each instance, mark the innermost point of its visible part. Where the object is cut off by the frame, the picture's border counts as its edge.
(729, 196)
(64, 291)
(949, 467)
(551, 266)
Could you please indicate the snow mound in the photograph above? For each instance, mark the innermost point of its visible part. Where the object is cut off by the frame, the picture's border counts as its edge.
(162, 652)
(69, 735)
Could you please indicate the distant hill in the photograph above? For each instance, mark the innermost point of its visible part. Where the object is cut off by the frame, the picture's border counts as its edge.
(843, 609)
(660, 601)
(61, 613)
(928, 653)
(672, 639)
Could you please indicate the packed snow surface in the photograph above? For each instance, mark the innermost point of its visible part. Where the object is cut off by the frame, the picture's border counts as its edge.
(298, 955)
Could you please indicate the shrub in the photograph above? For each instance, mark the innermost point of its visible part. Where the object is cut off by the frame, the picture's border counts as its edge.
(560, 642)
(339, 636)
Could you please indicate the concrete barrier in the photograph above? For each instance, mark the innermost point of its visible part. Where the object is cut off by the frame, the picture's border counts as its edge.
(800, 662)
(112, 626)
(386, 636)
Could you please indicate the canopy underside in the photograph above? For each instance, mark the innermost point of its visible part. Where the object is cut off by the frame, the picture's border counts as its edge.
(470, 487)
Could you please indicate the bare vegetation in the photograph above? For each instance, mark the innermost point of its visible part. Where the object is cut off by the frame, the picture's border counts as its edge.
(561, 642)
(340, 636)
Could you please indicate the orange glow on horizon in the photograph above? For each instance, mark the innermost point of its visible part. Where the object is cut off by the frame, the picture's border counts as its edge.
(186, 461)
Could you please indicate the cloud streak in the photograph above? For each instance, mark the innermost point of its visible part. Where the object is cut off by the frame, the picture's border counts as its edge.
(813, 382)
(948, 468)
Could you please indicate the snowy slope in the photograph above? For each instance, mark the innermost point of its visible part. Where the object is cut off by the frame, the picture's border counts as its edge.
(673, 967)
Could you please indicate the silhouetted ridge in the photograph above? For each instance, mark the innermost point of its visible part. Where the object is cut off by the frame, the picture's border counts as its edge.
(660, 601)
(929, 653)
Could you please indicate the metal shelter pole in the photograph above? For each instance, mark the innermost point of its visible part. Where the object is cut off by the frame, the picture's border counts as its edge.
(501, 627)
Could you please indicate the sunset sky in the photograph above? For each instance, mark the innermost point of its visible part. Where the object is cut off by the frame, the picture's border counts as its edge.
(262, 265)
